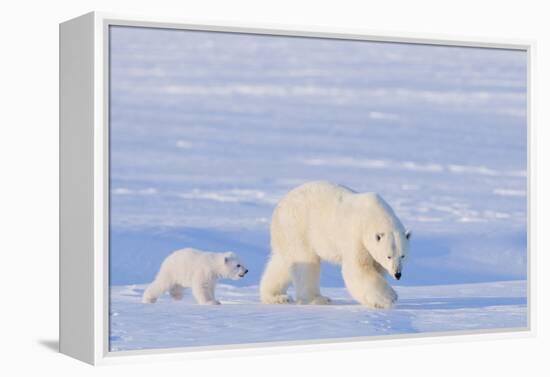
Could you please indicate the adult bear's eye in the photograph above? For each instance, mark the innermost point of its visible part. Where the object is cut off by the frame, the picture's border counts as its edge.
(389, 257)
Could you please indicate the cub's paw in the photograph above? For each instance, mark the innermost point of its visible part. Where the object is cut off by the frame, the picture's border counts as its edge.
(148, 300)
(277, 299)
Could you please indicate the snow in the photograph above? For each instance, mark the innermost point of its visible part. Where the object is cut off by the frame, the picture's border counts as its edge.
(241, 319)
(209, 130)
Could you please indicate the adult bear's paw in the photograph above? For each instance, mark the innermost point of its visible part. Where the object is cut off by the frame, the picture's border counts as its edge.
(393, 295)
(320, 300)
(277, 299)
(317, 300)
(381, 299)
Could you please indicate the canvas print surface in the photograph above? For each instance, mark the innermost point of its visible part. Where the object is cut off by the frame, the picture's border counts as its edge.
(231, 142)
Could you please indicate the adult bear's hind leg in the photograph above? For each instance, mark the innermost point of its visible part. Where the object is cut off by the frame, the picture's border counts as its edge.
(275, 281)
(306, 281)
(176, 292)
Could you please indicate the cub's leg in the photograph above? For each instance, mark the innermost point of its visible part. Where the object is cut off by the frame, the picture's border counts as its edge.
(203, 292)
(212, 292)
(160, 285)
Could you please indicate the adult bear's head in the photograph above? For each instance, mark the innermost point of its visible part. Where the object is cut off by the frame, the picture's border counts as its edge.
(384, 236)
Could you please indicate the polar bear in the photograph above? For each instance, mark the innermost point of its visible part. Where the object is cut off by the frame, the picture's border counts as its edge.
(323, 221)
(199, 270)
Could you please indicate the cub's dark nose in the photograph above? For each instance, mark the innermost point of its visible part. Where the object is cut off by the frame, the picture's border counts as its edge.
(398, 275)
(246, 271)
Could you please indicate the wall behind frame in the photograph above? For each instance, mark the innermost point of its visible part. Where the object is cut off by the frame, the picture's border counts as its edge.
(30, 144)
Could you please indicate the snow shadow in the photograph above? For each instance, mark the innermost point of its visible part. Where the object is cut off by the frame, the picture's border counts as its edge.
(458, 302)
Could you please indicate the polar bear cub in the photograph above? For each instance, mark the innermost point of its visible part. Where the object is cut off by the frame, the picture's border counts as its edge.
(321, 221)
(195, 269)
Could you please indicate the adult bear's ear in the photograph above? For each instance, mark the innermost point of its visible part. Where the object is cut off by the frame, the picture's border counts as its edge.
(408, 234)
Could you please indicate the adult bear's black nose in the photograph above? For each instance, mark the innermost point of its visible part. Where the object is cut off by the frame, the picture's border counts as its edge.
(398, 275)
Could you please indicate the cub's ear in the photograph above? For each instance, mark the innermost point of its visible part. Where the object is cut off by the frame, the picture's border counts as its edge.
(408, 234)
(228, 256)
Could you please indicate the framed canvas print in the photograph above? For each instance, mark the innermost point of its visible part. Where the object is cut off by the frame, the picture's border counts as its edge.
(233, 187)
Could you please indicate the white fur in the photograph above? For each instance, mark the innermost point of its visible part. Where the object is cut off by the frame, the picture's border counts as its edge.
(322, 221)
(198, 270)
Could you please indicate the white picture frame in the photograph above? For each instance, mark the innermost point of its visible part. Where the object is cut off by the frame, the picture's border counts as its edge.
(84, 187)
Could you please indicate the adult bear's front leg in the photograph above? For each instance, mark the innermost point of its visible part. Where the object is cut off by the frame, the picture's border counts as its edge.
(380, 294)
(368, 286)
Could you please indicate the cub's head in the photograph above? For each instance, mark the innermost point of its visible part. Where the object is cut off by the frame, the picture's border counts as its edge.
(233, 268)
(384, 236)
